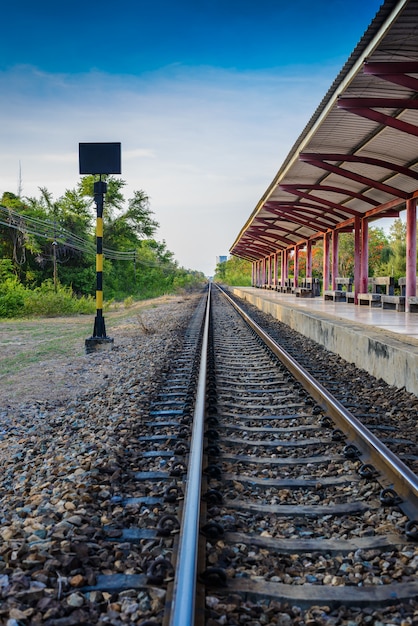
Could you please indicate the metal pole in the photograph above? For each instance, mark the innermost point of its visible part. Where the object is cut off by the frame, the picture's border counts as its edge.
(100, 188)
(334, 265)
(364, 262)
(326, 260)
(411, 251)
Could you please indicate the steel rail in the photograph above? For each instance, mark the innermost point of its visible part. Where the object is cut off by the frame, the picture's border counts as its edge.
(184, 588)
(400, 477)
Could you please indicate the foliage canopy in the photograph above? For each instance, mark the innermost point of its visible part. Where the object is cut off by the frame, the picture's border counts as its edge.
(48, 243)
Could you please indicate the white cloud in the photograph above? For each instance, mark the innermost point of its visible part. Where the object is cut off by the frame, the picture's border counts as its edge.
(204, 144)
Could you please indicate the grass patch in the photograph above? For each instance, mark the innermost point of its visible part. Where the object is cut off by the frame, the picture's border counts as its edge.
(25, 343)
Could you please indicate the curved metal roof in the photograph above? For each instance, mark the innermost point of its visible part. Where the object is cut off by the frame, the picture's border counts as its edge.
(358, 154)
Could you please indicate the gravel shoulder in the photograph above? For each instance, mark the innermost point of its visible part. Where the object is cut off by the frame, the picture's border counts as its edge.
(65, 424)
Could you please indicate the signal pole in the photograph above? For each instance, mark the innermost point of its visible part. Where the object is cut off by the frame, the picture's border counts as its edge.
(100, 188)
(99, 158)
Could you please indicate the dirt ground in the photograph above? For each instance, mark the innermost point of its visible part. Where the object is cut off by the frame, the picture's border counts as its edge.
(44, 360)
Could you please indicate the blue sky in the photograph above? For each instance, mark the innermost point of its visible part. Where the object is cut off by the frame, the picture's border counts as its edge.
(207, 98)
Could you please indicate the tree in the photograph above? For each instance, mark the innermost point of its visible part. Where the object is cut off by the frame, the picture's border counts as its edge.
(55, 237)
(234, 271)
(114, 197)
(130, 227)
(67, 239)
(396, 264)
(346, 254)
(18, 243)
(379, 252)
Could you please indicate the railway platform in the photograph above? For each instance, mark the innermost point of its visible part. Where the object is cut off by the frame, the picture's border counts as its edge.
(383, 342)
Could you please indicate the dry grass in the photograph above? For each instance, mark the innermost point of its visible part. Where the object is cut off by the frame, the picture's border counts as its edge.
(44, 352)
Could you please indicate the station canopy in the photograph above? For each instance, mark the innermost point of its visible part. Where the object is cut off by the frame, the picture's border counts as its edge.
(358, 155)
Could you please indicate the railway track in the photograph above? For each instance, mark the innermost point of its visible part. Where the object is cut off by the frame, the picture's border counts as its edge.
(250, 495)
(314, 511)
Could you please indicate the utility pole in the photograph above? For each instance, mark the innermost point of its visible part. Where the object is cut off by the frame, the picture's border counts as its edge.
(19, 184)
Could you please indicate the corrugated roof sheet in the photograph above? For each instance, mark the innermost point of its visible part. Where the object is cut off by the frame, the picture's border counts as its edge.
(316, 189)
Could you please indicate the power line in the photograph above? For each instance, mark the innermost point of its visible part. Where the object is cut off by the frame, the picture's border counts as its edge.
(48, 229)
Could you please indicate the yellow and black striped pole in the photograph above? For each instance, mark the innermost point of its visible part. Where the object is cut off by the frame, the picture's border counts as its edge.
(99, 159)
(99, 339)
(100, 188)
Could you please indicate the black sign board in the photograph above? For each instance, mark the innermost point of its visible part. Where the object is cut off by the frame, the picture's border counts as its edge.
(100, 158)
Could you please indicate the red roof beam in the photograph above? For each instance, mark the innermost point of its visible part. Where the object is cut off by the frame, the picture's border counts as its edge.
(365, 107)
(243, 254)
(395, 72)
(311, 209)
(341, 190)
(262, 238)
(316, 161)
(314, 224)
(295, 189)
(252, 247)
(377, 103)
(261, 250)
(281, 228)
(255, 236)
(354, 158)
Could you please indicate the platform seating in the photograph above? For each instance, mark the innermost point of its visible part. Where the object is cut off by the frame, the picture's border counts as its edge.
(398, 302)
(380, 285)
(344, 286)
(309, 288)
(395, 302)
(286, 286)
(413, 304)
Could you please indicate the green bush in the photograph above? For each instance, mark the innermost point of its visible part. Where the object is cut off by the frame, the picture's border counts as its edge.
(11, 298)
(45, 301)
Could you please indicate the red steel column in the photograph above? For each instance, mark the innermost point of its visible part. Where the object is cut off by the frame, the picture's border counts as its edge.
(296, 266)
(326, 261)
(364, 263)
(283, 268)
(357, 258)
(334, 266)
(309, 259)
(286, 264)
(276, 259)
(411, 251)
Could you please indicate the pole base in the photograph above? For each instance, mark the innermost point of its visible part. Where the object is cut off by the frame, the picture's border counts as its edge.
(96, 344)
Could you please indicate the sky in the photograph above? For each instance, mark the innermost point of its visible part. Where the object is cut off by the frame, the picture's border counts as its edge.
(207, 98)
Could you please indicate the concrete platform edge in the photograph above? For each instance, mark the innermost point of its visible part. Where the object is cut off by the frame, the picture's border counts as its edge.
(383, 356)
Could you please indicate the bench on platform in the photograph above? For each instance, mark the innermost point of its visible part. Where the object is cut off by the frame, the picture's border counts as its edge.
(396, 303)
(309, 288)
(413, 304)
(380, 285)
(286, 286)
(344, 286)
(400, 302)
